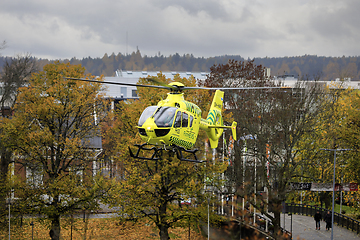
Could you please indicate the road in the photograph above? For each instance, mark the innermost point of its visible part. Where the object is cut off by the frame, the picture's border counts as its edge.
(303, 227)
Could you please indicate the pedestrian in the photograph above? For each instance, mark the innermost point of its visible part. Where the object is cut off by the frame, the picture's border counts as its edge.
(328, 220)
(317, 218)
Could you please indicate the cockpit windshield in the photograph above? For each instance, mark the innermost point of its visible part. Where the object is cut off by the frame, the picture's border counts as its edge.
(148, 112)
(164, 116)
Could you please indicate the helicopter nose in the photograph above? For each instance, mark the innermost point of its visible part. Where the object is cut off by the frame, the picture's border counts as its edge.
(150, 127)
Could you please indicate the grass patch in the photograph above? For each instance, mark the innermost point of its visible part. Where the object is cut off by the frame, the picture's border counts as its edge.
(101, 229)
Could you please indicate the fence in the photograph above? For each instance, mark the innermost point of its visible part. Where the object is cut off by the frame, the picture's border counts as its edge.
(261, 224)
(339, 219)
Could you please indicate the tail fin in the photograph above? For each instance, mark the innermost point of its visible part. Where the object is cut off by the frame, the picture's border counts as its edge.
(216, 107)
(233, 130)
(215, 125)
(214, 119)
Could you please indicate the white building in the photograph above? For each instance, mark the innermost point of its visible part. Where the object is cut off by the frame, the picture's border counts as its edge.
(290, 81)
(118, 91)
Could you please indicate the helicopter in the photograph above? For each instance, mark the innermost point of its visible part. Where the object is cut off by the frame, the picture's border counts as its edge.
(174, 123)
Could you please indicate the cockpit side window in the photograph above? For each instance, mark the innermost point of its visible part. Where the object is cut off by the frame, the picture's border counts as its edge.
(164, 116)
(191, 121)
(148, 112)
(177, 120)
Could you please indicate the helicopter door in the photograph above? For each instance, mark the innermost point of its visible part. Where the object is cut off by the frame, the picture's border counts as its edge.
(184, 130)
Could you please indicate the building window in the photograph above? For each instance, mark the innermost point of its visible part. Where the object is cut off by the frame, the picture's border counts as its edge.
(34, 176)
(123, 92)
(134, 93)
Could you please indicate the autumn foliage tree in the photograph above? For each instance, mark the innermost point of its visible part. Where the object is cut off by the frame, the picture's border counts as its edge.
(15, 73)
(54, 121)
(345, 135)
(318, 164)
(154, 189)
(271, 124)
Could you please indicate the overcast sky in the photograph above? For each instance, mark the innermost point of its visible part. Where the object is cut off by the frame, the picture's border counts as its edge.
(205, 28)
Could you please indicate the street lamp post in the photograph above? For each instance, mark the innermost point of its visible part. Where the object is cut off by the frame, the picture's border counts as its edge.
(9, 202)
(333, 190)
(341, 196)
(208, 223)
(9, 220)
(255, 193)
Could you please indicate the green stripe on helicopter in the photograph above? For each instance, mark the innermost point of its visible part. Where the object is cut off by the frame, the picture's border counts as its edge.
(181, 142)
(211, 116)
(192, 108)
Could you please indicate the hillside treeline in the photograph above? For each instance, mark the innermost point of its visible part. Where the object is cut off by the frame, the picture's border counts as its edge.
(307, 66)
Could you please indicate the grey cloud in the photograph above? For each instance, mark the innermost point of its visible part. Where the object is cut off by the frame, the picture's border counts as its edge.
(338, 22)
(202, 27)
(212, 7)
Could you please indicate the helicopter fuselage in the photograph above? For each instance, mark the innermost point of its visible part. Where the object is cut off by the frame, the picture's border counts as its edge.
(176, 122)
(173, 121)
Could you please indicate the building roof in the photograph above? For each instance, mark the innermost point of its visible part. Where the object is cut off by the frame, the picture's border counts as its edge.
(118, 91)
(140, 74)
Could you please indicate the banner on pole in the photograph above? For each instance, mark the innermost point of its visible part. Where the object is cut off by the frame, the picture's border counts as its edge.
(327, 187)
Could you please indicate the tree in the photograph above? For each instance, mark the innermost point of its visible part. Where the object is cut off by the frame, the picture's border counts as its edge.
(16, 72)
(341, 131)
(274, 121)
(327, 134)
(155, 189)
(54, 121)
(347, 129)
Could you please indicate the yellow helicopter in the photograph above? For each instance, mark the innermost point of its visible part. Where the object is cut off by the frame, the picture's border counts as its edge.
(174, 123)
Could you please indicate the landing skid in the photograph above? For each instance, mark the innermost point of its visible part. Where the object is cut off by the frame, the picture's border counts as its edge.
(157, 153)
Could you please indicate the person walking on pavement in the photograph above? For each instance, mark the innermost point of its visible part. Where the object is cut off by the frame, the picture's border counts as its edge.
(317, 218)
(328, 220)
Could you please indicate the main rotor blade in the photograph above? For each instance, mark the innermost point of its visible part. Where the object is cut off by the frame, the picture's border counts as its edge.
(162, 83)
(230, 88)
(117, 83)
(170, 87)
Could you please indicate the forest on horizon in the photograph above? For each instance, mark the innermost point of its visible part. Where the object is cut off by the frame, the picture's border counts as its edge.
(303, 67)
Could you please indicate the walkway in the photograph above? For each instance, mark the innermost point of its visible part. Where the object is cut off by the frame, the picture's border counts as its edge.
(303, 227)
